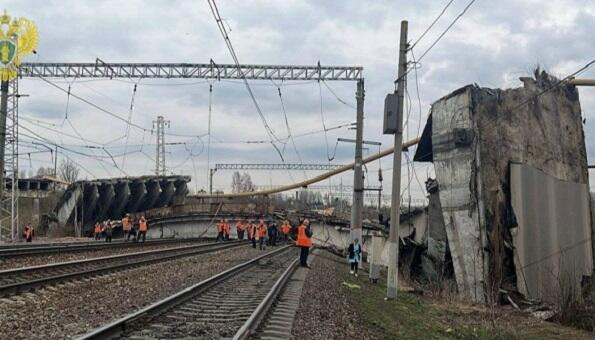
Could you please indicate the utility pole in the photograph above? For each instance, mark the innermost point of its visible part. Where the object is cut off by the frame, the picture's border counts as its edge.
(358, 176)
(393, 123)
(211, 173)
(160, 124)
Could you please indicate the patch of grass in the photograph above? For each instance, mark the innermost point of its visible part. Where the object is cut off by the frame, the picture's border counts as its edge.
(413, 316)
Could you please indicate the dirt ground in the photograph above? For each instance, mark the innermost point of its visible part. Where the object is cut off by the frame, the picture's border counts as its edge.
(358, 309)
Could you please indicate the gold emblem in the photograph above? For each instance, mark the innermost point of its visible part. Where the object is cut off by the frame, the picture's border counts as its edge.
(18, 38)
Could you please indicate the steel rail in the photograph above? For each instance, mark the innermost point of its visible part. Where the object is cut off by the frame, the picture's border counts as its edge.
(264, 307)
(53, 274)
(117, 327)
(52, 248)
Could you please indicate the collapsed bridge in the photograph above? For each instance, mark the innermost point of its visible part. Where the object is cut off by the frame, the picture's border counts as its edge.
(96, 200)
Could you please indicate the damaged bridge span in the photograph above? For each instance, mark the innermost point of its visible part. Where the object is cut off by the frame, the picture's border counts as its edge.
(101, 199)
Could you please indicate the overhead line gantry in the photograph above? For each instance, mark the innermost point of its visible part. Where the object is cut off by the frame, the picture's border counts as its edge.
(211, 70)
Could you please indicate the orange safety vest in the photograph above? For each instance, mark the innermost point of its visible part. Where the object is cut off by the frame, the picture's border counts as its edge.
(285, 228)
(28, 232)
(97, 228)
(239, 226)
(142, 225)
(302, 239)
(126, 224)
(226, 228)
(220, 227)
(262, 231)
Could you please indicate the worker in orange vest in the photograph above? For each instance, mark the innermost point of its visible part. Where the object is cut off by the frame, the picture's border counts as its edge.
(142, 228)
(220, 227)
(285, 229)
(127, 226)
(252, 233)
(240, 229)
(226, 229)
(28, 233)
(97, 231)
(304, 242)
(262, 235)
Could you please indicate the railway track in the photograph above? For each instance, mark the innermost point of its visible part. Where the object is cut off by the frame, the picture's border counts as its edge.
(13, 281)
(57, 248)
(230, 304)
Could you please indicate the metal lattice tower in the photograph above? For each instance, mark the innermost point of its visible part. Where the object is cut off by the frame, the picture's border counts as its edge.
(9, 209)
(159, 125)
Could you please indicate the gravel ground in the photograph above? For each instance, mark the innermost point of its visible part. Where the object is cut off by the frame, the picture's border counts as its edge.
(37, 260)
(325, 311)
(63, 311)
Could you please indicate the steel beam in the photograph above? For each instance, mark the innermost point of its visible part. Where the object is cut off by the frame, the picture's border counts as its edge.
(190, 71)
(280, 166)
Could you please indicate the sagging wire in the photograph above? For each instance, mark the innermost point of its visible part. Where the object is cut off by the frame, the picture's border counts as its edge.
(328, 156)
(223, 31)
(289, 132)
(337, 97)
(131, 111)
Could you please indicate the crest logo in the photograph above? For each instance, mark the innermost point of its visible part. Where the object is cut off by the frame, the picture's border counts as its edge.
(8, 52)
(18, 38)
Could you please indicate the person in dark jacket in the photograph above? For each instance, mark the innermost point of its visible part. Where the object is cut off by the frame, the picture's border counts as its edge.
(273, 232)
(355, 256)
(108, 229)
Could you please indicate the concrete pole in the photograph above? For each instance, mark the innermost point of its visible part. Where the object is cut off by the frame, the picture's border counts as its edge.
(358, 179)
(395, 207)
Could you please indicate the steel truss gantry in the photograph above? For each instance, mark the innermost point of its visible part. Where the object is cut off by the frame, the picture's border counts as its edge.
(192, 71)
(277, 166)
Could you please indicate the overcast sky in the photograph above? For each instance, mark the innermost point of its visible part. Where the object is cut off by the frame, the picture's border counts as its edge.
(492, 45)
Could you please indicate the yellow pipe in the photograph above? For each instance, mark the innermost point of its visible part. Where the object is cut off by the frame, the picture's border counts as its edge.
(581, 82)
(310, 181)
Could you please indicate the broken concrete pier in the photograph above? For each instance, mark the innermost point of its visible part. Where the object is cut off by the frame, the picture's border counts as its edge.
(511, 168)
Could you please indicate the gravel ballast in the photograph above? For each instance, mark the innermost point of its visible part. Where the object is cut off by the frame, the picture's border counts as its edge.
(38, 260)
(75, 308)
(325, 311)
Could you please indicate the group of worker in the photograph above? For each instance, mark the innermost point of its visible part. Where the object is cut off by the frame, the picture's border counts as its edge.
(130, 229)
(268, 234)
(259, 232)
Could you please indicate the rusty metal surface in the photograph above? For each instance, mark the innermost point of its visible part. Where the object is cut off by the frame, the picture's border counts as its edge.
(552, 241)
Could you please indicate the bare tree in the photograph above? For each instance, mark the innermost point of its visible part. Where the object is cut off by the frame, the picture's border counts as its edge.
(236, 182)
(241, 183)
(69, 171)
(41, 171)
(247, 184)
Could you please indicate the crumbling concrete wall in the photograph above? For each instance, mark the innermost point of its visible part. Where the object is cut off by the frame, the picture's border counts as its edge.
(540, 125)
(454, 157)
(475, 134)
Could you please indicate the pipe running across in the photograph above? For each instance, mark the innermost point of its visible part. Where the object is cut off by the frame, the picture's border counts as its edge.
(312, 180)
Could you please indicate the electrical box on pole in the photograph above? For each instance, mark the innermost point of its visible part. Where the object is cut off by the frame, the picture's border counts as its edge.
(391, 119)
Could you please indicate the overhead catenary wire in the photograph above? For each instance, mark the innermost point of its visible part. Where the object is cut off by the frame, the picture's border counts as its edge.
(131, 111)
(108, 112)
(328, 156)
(229, 45)
(431, 25)
(439, 37)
